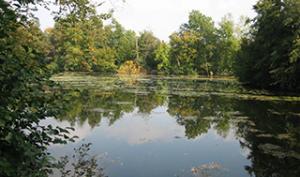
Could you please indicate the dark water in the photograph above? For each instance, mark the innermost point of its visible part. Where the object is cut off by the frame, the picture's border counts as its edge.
(166, 127)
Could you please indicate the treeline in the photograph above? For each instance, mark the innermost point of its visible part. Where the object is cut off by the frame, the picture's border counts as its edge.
(82, 40)
(264, 52)
(197, 48)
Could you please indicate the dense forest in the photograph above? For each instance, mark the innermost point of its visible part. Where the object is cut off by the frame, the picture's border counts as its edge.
(263, 53)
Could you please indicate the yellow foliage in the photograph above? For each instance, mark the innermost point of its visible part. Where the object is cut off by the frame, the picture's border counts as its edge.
(130, 68)
(48, 30)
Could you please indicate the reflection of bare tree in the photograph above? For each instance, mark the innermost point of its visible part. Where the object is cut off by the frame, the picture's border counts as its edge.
(81, 164)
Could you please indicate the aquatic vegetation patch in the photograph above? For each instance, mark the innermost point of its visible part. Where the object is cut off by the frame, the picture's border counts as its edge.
(208, 170)
(182, 86)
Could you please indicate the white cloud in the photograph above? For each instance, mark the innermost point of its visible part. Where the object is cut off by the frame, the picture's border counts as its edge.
(165, 16)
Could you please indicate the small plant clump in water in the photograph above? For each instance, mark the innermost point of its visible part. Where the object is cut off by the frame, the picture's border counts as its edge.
(207, 170)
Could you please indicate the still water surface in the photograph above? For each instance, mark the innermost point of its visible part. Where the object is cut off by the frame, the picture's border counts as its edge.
(166, 126)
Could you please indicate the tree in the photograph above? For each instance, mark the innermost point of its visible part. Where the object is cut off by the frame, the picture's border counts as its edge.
(25, 97)
(162, 57)
(198, 38)
(147, 44)
(183, 53)
(204, 29)
(227, 46)
(81, 39)
(124, 43)
(269, 56)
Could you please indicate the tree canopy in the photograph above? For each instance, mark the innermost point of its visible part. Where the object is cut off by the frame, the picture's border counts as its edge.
(269, 55)
(202, 48)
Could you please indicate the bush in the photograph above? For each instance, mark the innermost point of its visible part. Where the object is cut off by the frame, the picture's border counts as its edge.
(131, 68)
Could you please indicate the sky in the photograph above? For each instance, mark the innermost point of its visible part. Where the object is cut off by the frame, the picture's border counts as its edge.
(163, 17)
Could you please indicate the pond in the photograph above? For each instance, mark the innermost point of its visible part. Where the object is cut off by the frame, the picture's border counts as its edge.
(181, 126)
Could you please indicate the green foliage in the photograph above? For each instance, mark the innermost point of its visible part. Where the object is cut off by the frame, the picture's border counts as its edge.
(162, 57)
(204, 30)
(123, 42)
(182, 53)
(147, 44)
(82, 43)
(80, 40)
(227, 46)
(25, 97)
(201, 48)
(269, 56)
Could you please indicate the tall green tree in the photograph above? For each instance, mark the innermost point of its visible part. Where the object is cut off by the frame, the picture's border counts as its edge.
(81, 40)
(162, 57)
(204, 29)
(147, 44)
(183, 53)
(270, 54)
(227, 46)
(197, 37)
(123, 41)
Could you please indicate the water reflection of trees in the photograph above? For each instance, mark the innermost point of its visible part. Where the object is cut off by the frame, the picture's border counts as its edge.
(196, 114)
(272, 135)
(92, 106)
(199, 114)
(148, 101)
(270, 131)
